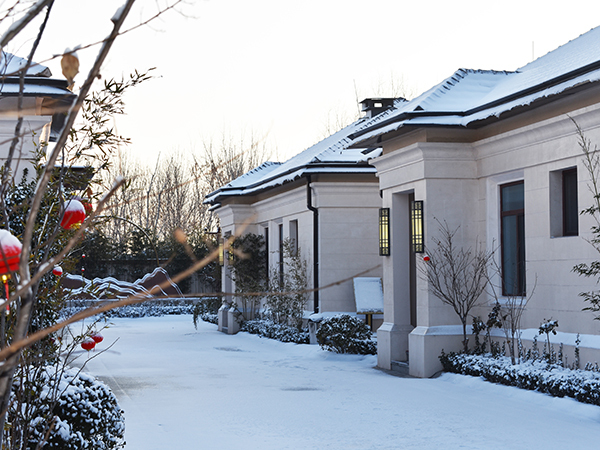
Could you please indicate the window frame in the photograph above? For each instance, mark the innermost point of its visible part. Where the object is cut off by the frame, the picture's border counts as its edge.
(568, 212)
(519, 230)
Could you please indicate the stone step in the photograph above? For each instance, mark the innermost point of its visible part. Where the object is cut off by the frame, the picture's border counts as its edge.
(400, 367)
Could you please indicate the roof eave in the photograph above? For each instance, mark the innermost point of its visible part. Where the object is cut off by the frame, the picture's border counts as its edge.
(220, 194)
(374, 140)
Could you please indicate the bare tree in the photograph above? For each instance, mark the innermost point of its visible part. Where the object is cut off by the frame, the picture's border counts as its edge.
(229, 159)
(591, 162)
(511, 309)
(457, 276)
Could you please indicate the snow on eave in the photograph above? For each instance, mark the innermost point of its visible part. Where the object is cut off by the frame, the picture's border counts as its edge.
(332, 152)
(290, 177)
(11, 65)
(35, 89)
(469, 118)
(242, 180)
(570, 65)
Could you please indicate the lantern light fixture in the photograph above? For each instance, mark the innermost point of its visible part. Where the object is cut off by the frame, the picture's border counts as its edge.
(417, 238)
(384, 231)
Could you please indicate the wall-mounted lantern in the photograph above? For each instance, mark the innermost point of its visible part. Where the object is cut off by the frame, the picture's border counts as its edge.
(384, 231)
(417, 238)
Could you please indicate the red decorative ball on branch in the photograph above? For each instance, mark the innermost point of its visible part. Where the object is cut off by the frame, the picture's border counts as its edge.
(88, 344)
(73, 216)
(57, 271)
(10, 252)
(426, 258)
(97, 338)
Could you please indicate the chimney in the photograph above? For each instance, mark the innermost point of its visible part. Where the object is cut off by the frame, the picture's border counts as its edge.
(374, 106)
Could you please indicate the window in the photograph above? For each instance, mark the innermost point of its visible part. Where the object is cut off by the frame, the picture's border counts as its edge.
(294, 236)
(267, 251)
(570, 210)
(281, 254)
(564, 209)
(512, 207)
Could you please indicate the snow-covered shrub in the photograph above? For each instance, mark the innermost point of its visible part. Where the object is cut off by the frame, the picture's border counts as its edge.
(346, 334)
(207, 310)
(288, 287)
(541, 376)
(150, 308)
(272, 330)
(80, 412)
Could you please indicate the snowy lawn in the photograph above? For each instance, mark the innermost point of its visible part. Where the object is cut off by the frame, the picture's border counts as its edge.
(183, 388)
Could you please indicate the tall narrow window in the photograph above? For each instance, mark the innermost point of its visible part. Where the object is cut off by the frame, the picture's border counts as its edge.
(570, 208)
(281, 254)
(294, 236)
(512, 200)
(267, 251)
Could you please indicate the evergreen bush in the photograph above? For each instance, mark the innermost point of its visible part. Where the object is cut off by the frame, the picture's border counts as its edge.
(272, 330)
(72, 411)
(346, 334)
(535, 375)
(207, 310)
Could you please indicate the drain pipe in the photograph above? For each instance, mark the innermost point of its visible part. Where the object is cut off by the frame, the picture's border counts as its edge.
(315, 211)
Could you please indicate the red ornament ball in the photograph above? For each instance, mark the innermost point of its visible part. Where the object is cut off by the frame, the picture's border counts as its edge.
(88, 344)
(57, 271)
(97, 338)
(73, 216)
(11, 252)
(426, 258)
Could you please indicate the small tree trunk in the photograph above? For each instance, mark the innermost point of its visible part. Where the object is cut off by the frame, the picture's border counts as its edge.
(465, 338)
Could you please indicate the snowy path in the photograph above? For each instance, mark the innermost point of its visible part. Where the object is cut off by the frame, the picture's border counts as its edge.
(183, 388)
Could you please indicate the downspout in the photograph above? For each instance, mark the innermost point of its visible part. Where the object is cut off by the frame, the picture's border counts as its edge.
(315, 211)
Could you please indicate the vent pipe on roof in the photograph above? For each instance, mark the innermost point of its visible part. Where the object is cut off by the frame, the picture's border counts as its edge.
(373, 106)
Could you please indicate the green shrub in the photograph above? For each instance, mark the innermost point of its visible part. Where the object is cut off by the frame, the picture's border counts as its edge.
(346, 334)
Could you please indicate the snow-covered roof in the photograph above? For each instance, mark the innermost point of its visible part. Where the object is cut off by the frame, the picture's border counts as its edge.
(331, 155)
(37, 79)
(11, 65)
(470, 96)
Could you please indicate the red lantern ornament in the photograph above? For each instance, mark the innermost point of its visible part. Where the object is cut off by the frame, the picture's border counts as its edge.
(97, 338)
(88, 344)
(87, 205)
(73, 216)
(10, 252)
(57, 271)
(426, 258)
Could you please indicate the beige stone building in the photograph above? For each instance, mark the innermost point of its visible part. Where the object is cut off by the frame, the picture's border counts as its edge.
(42, 103)
(494, 154)
(326, 200)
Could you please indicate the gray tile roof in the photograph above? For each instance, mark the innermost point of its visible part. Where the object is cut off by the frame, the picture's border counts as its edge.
(469, 96)
(331, 155)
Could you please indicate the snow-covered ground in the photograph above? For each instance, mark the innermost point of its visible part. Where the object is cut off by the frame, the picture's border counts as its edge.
(183, 388)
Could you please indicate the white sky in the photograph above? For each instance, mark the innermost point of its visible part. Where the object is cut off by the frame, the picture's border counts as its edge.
(284, 70)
